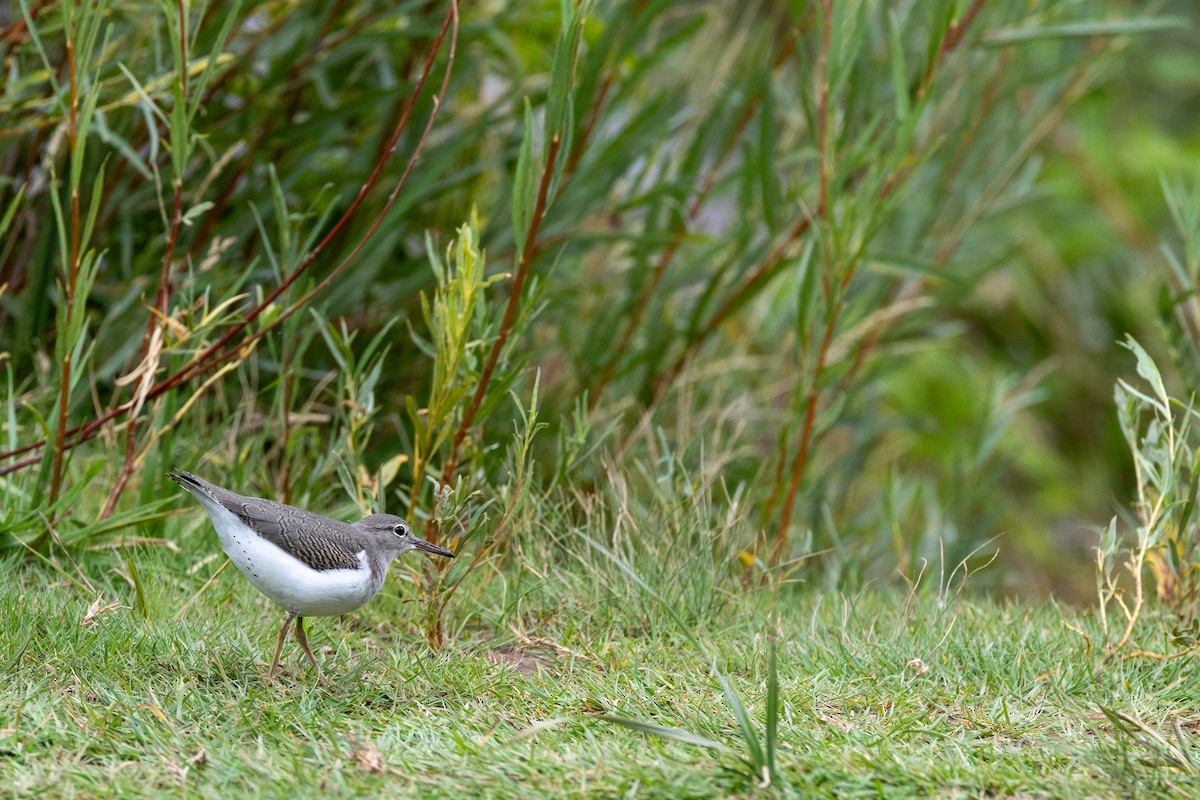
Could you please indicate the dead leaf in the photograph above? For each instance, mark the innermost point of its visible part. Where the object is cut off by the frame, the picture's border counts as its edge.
(918, 666)
(144, 372)
(513, 656)
(96, 609)
(369, 758)
(531, 642)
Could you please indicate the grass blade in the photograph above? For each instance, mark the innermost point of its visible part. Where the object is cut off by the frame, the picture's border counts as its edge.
(667, 732)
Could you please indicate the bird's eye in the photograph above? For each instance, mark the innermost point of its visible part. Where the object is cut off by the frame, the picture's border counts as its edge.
(401, 530)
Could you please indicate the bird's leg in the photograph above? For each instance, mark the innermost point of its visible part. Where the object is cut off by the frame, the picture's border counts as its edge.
(279, 644)
(304, 643)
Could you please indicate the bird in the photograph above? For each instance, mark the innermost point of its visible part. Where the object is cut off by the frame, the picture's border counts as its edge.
(310, 565)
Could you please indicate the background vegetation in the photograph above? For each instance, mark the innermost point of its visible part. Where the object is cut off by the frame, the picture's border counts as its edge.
(697, 304)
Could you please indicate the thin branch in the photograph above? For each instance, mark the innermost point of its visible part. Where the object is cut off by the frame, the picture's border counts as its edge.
(510, 311)
(951, 41)
(163, 296)
(800, 461)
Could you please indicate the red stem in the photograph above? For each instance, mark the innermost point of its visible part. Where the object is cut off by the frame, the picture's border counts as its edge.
(510, 311)
(162, 297)
(951, 41)
(806, 434)
(799, 463)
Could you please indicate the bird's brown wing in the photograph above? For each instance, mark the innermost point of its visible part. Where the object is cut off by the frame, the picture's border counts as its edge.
(319, 542)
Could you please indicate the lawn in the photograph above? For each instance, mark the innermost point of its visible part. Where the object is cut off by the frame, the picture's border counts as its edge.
(881, 694)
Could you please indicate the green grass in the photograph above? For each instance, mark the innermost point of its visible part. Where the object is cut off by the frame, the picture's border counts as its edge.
(882, 695)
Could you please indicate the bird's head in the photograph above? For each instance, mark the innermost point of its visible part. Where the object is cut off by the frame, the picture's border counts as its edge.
(397, 536)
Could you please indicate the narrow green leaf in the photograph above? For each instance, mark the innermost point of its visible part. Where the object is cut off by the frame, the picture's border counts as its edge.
(768, 170)
(772, 723)
(200, 84)
(135, 576)
(11, 211)
(89, 221)
(194, 213)
(806, 297)
(1149, 372)
(899, 70)
(665, 732)
(749, 734)
(523, 191)
(1075, 30)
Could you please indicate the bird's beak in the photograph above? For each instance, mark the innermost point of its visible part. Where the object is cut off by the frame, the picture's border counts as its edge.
(421, 544)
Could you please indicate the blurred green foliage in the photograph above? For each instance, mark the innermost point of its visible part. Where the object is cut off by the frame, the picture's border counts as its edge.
(859, 268)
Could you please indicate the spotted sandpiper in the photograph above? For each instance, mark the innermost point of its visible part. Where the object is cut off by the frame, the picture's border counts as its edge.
(310, 565)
